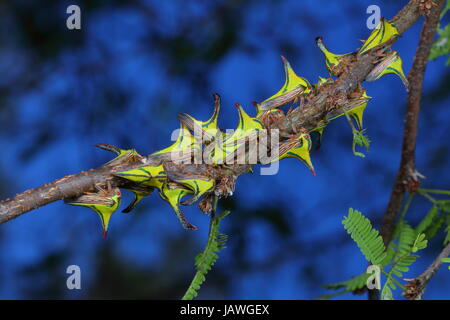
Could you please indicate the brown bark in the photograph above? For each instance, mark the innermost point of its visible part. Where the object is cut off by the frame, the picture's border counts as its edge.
(407, 177)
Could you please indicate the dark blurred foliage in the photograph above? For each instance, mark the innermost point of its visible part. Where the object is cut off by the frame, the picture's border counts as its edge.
(122, 79)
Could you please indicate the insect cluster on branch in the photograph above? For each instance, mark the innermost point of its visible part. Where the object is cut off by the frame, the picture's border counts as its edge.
(177, 179)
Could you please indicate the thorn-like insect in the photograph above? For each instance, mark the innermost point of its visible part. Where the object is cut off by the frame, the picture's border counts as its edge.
(319, 131)
(156, 177)
(246, 123)
(383, 32)
(268, 117)
(293, 87)
(299, 148)
(130, 155)
(354, 108)
(104, 202)
(209, 128)
(138, 196)
(321, 82)
(199, 187)
(357, 112)
(332, 60)
(185, 175)
(173, 193)
(246, 130)
(151, 176)
(390, 64)
(183, 148)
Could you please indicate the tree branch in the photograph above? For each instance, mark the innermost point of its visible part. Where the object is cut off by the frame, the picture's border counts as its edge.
(306, 118)
(408, 177)
(416, 287)
(70, 186)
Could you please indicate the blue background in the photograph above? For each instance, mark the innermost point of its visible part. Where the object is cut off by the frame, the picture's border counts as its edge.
(122, 79)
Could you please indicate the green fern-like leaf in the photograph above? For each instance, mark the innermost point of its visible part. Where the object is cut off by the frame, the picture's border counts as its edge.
(444, 205)
(406, 239)
(446, 260)
(362, 140)
(386, 293)
(390, 253)
(368, 240)
(447, 231)
(408, 242)
(428, 220)
(352, 284)
(420, 243)
(206, 259)
(438, 223)
(393, 247)
(435, 219)
(441, 47)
